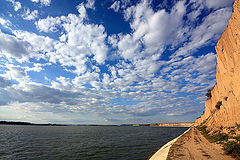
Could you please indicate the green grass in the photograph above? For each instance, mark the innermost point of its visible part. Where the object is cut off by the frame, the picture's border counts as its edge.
(230, 147)
(205, 132)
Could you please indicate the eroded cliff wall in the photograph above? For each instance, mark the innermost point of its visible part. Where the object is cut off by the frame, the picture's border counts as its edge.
(222, 110)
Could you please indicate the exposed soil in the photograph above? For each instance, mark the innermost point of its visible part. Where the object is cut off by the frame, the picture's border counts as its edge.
(194, 146)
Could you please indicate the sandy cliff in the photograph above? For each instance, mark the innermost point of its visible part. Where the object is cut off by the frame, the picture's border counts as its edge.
(222, 110)
(175, 124)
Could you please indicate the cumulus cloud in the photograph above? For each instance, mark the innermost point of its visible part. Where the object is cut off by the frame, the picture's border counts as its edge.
(218, 3)
(48, 24)
(42, 2)
(17, 5)
(40, 44)
(196, 72)
(53, 99)
(28, 15)
(40, 93)
(90, 4)
(82, 10)
(151, 31)
(5, 23)
(23, 45)
(128, 47)
(115, 6)
(157, 29)
(10, 46)
(79, 40)
(86, 78)
(16, 73)
(211, 29)
(4, 82)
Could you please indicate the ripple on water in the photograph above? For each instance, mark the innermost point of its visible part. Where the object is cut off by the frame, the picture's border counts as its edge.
(83, 142)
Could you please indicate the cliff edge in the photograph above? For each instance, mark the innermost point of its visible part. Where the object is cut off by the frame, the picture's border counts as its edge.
(222, 108)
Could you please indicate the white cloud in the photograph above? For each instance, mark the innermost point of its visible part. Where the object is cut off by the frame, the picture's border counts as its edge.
(115, 6)
(128, 47)
(40, 44)
(151, 30)
(16, 73)
(85, 78)
(48, 24)
(78, 40)
(22, 45)
(120, 5)
(35, 1)
(36, 68)
(90, 4)
(82, 11)
(210, 29)
(52, 99)
(158, 29)
(4, 82)
(218, 3)
(10, 46)
(28, 15)
(42, 2)
(5, 23)
(113, 40)
(17, 5)
(196, 72)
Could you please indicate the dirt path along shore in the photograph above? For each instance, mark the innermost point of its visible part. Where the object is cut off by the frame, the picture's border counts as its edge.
(194, 146)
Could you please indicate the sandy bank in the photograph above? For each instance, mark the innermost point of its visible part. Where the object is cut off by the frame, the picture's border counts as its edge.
(193, 145)
(162, 153)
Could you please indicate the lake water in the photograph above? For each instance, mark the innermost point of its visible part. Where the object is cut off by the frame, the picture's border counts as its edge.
(83, 142)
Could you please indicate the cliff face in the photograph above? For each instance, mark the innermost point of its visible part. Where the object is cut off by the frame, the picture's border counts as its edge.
(175, 124)
(222, 110)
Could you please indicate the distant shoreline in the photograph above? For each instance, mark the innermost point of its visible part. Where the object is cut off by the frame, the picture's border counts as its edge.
(134, 125)
(166, 124)
(27, 123)
(50, 124)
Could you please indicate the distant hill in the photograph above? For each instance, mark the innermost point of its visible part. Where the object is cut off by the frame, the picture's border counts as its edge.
(24, 123)
(167, 124)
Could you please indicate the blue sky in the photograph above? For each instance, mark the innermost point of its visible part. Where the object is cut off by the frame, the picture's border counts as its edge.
(108, 62)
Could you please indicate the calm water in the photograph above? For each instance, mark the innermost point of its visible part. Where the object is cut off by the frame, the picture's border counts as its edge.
(83, 142)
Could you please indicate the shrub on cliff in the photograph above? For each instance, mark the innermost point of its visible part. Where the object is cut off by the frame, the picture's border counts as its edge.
(219, 103)
(208, 94)
(220, 137)
(232, 148)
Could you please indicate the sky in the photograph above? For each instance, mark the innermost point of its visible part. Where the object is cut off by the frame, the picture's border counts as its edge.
(108, 61)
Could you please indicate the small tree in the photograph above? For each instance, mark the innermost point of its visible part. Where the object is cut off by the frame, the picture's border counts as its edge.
(208, 94)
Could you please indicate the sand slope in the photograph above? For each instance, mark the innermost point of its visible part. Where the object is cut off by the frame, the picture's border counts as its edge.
(194, 146)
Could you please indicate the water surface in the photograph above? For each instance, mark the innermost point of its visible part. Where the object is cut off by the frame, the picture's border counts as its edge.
(83, 142)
